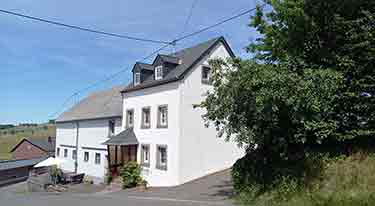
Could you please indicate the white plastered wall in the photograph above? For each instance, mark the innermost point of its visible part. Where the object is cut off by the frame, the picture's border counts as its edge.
(201, 151)
(92, 133)
(167, 94)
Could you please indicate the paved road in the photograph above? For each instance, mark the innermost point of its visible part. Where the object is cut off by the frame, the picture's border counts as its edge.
(212, 190)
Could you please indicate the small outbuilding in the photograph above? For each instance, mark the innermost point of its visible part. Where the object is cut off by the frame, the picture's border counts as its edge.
(29, 148)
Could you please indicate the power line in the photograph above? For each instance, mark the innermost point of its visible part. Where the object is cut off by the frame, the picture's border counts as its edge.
(84, 29)
(216, 24)
(75, 94)
(163, 47)
(189, 16)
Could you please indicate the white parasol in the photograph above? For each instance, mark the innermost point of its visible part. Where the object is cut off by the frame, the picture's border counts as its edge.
(49, 162)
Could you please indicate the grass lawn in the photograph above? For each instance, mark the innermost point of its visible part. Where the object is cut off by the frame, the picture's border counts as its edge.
(10, 137)
(347, 181)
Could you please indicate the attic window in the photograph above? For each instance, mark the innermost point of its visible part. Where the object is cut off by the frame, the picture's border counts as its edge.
(206, 75)
(137, 78)
(158, 72)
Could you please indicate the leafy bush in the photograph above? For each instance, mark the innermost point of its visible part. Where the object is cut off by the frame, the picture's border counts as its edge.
(131, 174)
(108, 179)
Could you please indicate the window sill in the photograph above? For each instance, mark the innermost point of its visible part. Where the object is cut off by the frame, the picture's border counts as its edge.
(161, 167)
(162, 126)
(145, 165)
(207, 82)
(145, 127)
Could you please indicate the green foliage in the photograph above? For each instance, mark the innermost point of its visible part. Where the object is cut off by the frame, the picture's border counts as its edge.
(270, 108)
(320, 34)
(345, 181)
(131, 174)
(55, 173)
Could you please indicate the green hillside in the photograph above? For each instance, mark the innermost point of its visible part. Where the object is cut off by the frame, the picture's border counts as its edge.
(10, 136)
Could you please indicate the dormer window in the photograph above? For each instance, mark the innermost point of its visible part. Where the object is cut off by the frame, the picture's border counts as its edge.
(137, 78)
(158, 72)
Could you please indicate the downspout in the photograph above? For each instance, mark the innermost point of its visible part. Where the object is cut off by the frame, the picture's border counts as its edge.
(76, 159)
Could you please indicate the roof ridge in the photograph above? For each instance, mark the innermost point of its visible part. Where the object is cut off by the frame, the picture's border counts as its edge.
(197, 45)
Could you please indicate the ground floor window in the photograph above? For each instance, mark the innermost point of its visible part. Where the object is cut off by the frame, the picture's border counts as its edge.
(58, 152)
(145, 155)
(161, 157)
(74, 154)
(86, 157)
(65, 152)
(97, 158)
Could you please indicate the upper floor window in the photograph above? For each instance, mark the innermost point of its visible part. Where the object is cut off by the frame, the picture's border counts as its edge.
(129, 118)
(162, 116)
(158, 72)
(137, 78)
(146, 118)
(206, 75)
(111, 127)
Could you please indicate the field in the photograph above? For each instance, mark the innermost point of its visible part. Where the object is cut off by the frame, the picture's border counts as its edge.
(11, 136)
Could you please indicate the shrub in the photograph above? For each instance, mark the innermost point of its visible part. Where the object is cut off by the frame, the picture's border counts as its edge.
(131, 174)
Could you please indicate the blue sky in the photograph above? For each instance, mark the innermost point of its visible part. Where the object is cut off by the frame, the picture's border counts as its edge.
(41, 64)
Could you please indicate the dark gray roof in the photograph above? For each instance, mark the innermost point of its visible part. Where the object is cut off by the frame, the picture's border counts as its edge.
(189, 57)
(144, 66)
(126, 137)
(104, 104)
(43, 144)
(169, 58)
(11, 164)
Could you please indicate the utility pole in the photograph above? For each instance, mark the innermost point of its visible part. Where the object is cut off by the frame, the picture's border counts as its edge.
(77, 137)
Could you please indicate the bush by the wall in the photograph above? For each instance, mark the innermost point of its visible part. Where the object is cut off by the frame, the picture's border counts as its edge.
(131, 174)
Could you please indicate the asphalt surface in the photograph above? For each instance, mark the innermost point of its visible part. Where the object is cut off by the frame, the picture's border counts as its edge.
(215, 189)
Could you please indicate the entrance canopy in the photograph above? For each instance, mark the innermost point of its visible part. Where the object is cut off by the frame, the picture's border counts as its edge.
(126, 137)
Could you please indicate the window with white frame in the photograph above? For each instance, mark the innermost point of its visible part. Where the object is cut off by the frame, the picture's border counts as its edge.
(129, 118)
(65, 152)
(74, 154)
(58, 152)
(161, 159)
(206, 75)
(146, 118)
(86, 156)
(158, 72)
(97, 158)
(145, 155)
(137, 78)
(111, 127)
(162, 116)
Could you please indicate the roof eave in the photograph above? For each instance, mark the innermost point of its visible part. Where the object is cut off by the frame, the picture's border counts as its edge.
(154, 84)
(88, 119)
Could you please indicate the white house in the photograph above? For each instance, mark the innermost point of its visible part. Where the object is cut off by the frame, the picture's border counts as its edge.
(161, 127)
(81, 130)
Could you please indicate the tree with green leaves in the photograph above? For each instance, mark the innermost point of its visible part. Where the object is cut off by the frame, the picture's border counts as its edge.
(312, 80)
(320, 34)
